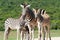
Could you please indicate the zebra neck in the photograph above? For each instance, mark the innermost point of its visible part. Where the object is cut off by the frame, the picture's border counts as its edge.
(22, 17)
(23, 14)
(23, 11)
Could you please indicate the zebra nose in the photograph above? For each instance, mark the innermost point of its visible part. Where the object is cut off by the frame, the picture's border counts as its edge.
(35, 16)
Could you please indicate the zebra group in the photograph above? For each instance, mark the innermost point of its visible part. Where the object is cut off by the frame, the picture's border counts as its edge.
(27, 22)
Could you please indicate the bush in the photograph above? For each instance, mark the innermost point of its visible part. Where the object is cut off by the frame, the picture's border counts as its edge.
(11, 8)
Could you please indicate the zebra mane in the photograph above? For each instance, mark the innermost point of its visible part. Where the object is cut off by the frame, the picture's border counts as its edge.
(39, 15)
(30, 13)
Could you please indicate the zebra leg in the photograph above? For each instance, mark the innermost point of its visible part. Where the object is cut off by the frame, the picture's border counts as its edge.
(26, 35)
(22, 35)
(44, 30)
(6, 33)
(49, 32)
(29, 32)
(49, 35)
(46, 35)
(42, 33)
(17, 34)
(32, 34)
(39, 28)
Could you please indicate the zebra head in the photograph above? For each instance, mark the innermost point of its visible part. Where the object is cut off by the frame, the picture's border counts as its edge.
(24, 8)
(25, 5)
(36, 11)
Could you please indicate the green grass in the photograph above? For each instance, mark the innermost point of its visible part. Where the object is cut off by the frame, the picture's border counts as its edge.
(54, 33)
(12, 35)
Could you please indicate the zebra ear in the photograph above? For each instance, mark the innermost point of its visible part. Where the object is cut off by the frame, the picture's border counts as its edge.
(45, 12)
(22, 6)
(27, 6)
(33, 10)
(38, 10)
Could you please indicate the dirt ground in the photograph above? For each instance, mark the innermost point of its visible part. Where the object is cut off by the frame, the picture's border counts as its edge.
(52, 38)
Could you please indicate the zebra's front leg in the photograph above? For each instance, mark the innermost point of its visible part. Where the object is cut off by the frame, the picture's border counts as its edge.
(32, 34)
(26, 35)
(17, 34)
(30, 38)
(22, 35)
(39, 34)
(6, 33)
(39, 31)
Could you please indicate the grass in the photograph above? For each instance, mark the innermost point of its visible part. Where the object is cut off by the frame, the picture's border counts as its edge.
(54, 33)
(12, 35)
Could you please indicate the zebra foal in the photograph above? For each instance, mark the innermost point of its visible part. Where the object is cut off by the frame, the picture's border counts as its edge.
(12, 24)
(43, 21)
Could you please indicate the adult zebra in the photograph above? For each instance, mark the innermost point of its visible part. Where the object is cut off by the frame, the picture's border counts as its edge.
(43, 21)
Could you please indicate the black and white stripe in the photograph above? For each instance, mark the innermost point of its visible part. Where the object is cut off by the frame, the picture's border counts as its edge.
(42, 11)
(17, 24)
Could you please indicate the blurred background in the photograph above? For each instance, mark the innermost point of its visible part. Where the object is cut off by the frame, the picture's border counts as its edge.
(11, 8)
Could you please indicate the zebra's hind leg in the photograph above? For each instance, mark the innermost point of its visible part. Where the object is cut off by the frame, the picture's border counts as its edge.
(44, 31)
(6, 33)
(49, 36)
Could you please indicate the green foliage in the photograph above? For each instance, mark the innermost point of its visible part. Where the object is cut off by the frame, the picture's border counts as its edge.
(11, 8)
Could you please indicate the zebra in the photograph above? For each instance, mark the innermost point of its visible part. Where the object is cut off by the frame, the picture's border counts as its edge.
(15, 24)
(43, 20)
